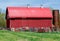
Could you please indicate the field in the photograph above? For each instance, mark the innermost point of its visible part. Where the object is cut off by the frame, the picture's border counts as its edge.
(25, 36)
(28, 36)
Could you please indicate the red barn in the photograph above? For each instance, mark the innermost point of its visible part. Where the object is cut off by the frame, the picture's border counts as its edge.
(17, 17)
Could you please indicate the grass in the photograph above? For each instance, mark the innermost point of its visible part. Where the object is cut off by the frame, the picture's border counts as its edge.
(28, 36)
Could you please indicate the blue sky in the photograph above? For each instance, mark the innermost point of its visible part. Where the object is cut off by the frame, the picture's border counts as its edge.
(33, 3)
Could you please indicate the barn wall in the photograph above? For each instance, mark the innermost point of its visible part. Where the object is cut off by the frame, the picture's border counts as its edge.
(17, 23)
(8, 23)
(40, 23)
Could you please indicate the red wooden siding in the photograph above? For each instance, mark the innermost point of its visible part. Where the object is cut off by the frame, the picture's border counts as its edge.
(30, 23)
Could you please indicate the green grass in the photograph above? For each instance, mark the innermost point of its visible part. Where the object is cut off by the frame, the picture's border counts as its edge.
(28, 36)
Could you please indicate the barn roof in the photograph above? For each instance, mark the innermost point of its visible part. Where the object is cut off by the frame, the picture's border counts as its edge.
(24, 12)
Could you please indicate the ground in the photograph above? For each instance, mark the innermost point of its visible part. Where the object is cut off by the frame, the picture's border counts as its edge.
(28, 36)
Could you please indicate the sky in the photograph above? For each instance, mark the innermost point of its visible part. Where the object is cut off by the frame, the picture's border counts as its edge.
(55, 4)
